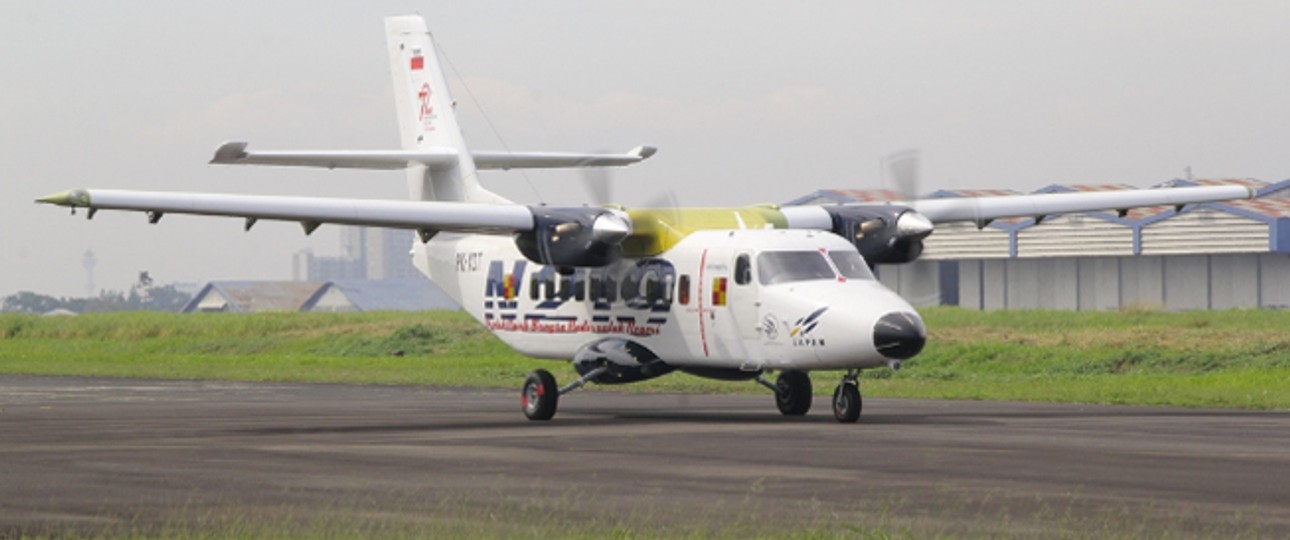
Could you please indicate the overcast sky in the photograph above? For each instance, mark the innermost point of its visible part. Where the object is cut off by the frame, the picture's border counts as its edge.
(747, 101)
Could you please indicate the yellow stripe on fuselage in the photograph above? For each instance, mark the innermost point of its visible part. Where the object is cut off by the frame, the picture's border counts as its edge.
(657, 230)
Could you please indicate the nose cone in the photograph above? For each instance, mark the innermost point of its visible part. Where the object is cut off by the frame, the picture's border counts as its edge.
(899, 335)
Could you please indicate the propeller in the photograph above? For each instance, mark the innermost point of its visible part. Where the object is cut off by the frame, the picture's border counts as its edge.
(596, 181)
(902, 168)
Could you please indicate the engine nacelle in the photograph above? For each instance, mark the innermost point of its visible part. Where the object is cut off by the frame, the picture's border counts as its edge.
(574, 237)
(884, 234)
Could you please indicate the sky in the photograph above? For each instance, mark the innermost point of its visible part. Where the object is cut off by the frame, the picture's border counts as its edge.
(748, 102)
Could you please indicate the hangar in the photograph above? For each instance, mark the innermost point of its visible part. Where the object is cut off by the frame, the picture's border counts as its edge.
(1207, 256)
(337, 296)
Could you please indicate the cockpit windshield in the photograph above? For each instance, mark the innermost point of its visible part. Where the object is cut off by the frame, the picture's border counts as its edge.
(851, 265)
(788, 266)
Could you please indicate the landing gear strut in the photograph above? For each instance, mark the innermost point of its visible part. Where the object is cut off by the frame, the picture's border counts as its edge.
(792, 392)
(846, 399)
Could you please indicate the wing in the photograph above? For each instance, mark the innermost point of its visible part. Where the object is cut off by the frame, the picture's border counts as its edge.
(235, 153)
(982, 210)
(427, 217)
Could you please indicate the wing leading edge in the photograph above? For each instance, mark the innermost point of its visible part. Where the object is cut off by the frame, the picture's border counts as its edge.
(982, 210)
(427, 217)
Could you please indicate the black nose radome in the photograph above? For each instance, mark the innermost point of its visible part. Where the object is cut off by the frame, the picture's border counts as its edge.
(899, 336)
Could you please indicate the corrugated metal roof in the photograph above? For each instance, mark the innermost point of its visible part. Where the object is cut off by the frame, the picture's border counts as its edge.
(942, 193)
(1271, 207)
(1205, 230)
(1001, 223)
(867, 195)
(257, 296)
(411, 294)
(1247, 225)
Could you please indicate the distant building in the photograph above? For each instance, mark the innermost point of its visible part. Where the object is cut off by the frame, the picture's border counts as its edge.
(1210, 256)
(339, 296)
(365, 253)
(406, 294)
(252, 296)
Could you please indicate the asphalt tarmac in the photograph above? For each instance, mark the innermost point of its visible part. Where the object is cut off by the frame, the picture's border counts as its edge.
(91, 454)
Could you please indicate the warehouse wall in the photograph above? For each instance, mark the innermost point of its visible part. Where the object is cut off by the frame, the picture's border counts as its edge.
(1176, 283)
(1187, 282)
(1274, 280)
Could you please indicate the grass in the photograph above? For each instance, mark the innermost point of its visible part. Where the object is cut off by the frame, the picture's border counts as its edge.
(1237, 359)
(572, 514)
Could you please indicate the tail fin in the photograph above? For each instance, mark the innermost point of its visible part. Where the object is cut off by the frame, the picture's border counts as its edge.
(427, 119)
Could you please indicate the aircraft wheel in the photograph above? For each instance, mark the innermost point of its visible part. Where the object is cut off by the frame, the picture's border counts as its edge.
(540, 395)
(846, 402)
(793, 393)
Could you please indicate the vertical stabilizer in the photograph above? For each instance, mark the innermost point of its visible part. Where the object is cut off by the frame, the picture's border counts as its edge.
(427, 119)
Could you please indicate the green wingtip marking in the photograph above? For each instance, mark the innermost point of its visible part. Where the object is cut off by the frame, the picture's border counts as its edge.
(75, 197)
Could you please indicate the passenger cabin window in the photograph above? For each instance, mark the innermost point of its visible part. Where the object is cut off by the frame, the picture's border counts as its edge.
(851, 265)
(743, 269)
(789, 266)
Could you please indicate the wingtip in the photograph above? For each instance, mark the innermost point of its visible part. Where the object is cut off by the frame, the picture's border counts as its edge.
(643, 152)
(75, 197)
(229, 152)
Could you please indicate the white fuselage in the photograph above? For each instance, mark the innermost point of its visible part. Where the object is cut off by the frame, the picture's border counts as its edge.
(688, 304)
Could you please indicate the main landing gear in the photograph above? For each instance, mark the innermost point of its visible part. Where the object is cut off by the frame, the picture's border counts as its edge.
(793, 394)
(540, 395)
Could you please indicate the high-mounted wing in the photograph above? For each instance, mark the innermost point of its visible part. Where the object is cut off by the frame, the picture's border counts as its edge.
(236, 153)
(563, 237)
(424, 216)
(892, 233)
(982, 210)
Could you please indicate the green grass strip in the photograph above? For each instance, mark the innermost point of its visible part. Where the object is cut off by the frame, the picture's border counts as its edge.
(1238, 359)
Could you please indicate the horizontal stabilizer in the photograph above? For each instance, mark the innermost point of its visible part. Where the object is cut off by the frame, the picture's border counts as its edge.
(236, 153)
(553, 160)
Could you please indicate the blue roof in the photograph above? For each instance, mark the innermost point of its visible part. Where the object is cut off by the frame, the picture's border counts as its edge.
(410, 294)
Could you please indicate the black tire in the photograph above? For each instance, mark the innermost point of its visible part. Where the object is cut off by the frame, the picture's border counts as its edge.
(794, 394)
(846, 403)
(540, 395)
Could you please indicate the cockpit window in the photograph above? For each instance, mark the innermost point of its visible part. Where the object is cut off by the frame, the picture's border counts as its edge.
(851, 265)
(788, 266)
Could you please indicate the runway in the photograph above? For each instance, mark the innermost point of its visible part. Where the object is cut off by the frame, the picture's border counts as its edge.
(86, 453)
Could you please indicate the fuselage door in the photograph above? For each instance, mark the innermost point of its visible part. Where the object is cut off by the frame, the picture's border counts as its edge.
(745, 304)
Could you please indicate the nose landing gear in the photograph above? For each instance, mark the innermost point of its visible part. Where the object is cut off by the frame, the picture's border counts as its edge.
(846, 399)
